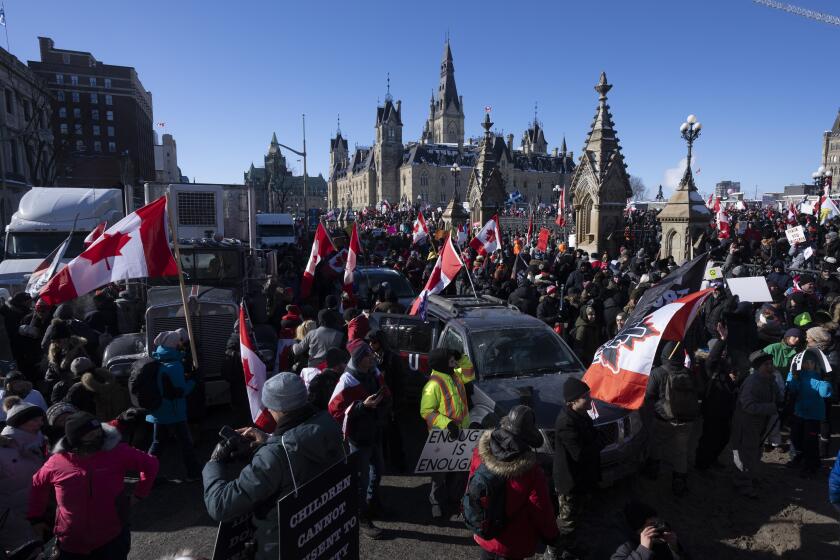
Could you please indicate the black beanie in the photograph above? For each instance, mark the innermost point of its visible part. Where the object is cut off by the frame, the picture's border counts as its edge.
(77, 426)
(439, 360)
(573, 389)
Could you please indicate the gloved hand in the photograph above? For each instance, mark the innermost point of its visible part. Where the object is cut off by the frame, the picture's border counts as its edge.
(223, 452)
(131, 415)
(453, 429)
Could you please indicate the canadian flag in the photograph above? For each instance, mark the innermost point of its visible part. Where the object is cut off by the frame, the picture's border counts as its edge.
(791, 214)
(722, 224)
(420, 231)
(47, 269)
(716, 205)
(353, 252)
(135, 247)
(462, 235)
(321, 247)
(710, 202)
(254, 369)
(488, 240)
(448, 265)
(561, 209)
(94, 235)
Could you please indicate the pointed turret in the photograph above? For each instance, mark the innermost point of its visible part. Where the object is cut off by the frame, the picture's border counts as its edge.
(563, 146)
(447, 111)
(486, 190)
(602, 141)
(274, 146)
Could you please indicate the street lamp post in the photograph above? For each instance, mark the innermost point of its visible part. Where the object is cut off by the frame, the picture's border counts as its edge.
(303, 155)
(690, 131)
(455, 170)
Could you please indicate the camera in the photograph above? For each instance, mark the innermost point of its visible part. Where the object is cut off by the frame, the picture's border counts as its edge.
(238, 446)
(661, 526)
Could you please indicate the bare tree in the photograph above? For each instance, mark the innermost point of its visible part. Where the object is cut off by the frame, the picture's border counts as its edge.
(37, 138)
(282, 184)
(638, 187)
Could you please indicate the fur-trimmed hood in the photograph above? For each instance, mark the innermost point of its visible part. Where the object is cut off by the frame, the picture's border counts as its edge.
(506, 469)
(112, 438)
(97, 380)
(74, 350)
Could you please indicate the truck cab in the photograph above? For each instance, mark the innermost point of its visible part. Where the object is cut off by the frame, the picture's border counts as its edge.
(518, 359)
(45, 217)
(275, 230)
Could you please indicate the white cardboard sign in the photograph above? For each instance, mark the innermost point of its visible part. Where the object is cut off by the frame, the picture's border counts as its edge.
(442, 453)
(753, 289)
(795, 234)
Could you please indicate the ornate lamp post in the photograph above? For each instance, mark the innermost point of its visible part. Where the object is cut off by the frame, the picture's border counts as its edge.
(455, 170)
(690, 131)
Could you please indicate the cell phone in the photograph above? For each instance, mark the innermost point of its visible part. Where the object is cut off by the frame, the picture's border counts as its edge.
(228, 433)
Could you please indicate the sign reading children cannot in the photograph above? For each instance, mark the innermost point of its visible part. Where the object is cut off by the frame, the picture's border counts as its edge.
(319, 521)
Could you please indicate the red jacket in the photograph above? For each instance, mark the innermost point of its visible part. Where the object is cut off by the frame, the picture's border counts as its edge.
(530, 512)
(87, 489)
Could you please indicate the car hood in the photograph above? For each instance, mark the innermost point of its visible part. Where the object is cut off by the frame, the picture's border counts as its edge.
(547, 396)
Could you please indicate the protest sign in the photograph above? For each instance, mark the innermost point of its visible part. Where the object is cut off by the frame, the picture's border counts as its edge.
(808, 253)
(753, 289)
(319, 520)
(234, 539)
(795, 234)
(713, 272)
(572, 240)
(442, 453)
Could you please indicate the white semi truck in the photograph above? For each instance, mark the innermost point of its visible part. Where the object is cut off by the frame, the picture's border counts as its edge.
(45, 218)
(275, 230)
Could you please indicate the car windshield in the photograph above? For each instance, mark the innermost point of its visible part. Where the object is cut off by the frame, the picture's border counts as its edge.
(523, 351)
(398, 283)
(39, 244)
(275, 230)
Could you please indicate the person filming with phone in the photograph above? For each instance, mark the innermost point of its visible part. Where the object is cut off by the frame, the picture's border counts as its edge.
(304, 443)
(653, 538)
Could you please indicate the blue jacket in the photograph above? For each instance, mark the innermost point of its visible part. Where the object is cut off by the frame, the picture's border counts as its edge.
(172, 366)
(834, 482)
(809, 391)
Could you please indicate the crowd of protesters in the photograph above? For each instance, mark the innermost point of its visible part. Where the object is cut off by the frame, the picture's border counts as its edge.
(761, 377)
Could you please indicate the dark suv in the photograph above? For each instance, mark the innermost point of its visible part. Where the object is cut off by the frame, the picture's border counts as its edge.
(518, 360)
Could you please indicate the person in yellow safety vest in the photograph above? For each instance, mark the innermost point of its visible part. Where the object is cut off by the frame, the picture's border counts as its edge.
(444, 406)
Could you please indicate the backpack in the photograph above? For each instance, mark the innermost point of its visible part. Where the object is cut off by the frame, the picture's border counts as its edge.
(681, 399)
(143, 384)
(484, 503)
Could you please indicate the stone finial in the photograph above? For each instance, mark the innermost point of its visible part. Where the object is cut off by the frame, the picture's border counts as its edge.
(487, 124)
(603, 87)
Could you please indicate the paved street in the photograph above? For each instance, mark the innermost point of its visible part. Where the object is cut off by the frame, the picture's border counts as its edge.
(791, 520)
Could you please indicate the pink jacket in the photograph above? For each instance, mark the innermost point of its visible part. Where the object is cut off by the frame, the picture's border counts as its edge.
(87, 489)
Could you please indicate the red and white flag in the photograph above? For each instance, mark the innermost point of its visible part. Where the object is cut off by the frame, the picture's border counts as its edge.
(462, 235)
(448, 265)
(716, 205)
(338, 261)
(135, 247)
(530, 232)
(722, 224)
(420, 232)
(560, 220)
(321, 247)
(255, 376)
(94, 235)
(620, 371)
(791, 214)
(489, 239)
(47, 269)
(710, 202)
(353, 252)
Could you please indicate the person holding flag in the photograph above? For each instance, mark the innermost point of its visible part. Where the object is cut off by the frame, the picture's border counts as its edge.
(353, 252)
(255, 372)
(489, 239)
(322, 247)
(420, 231)
(447, 267)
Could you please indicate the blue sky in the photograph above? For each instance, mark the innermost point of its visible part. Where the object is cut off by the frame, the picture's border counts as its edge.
(225, 75)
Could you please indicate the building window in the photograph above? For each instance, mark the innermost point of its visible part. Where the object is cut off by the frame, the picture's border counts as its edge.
(60, 95)
(62, 113)
(77, 129)
(77, 113)
(97, 146)
(390, 133)
(107, 82)
(93, 81)
(75, 96)
(539, 185)
(74, 80)
(14, 152)
(94, 98)
(424, 180)
(442, 198)
(96, 130)
(59, 78)
(10, 104)
(109, 115)
(110, 131)
(64, 129)
(80, 145)
(112, 147)
(94, 114)
(65, 58)
(109, 100)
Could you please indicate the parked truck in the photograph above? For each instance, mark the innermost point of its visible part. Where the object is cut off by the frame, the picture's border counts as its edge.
(275, 230)
(45, 217)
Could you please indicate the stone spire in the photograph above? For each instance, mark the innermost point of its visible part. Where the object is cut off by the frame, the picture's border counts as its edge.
(486, 191)
(447, 92)
(602, 141)
(274, 146)
(563, 146)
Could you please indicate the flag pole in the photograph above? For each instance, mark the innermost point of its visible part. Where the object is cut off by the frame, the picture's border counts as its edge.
(187, 318)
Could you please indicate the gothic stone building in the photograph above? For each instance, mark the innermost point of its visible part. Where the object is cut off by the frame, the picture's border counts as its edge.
(421, 171)
(831, 153)
(278, 190)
